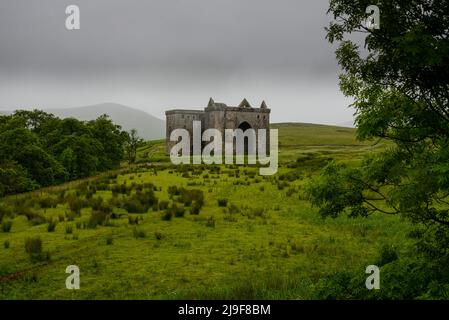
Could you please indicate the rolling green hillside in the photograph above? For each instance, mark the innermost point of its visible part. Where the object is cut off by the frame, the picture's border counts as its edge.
(161, 231)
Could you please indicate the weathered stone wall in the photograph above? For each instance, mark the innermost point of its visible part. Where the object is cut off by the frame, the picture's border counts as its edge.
(218, 116)
(181, 119)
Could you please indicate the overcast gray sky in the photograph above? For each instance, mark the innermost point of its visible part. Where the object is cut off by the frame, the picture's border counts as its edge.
(159, 54)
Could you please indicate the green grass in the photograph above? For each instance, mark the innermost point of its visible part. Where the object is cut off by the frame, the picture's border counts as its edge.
(266, 243)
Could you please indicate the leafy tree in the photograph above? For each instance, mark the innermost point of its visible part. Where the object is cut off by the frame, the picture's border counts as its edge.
(80, 154)
(110, 137)
(399, 82)
(41, 166)
(39, 149)
(132, 142)
(14, 179)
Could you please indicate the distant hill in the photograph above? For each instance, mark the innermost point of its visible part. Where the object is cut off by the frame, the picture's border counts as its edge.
(348, 124)
(148, 126)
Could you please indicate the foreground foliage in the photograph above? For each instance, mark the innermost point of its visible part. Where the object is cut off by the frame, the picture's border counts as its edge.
(400, 85)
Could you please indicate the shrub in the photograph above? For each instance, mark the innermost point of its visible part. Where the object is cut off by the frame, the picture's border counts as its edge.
(134, 206)
(177, 211)
(387, 255)
(6, 244)
(76, 204)
(210, 222)
(289, 176)
(33, 246)
(140, 202)
(47, 202)
(90, 194)
(282, 184)
(70, 216)
(95, 203)
(290, 192)
(5, 211)
(133, 221)
(51, 226)
(69, 229)
(167, 215)
(6, 226)
(173, 191)
(28, 212)
(109, 240)
(122, 189)
(97, 218)
(187, 196)
(147, 197)
(222, 202)
(163, 204)
(258, 212)
(195, 210)
(233, 209)
(37, 220)
(158, 235)
(139, 233)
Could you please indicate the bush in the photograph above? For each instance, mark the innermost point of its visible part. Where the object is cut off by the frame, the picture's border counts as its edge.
(210, 222)
(257, 212)
(47, 202)
(69, 229)
(37, 220)
(6, 226)
(233, 209)
(167, 215)
(6, 244)
(187, 196)
(97, 218)
(177, 211)
(109, 240)
(28, 212)
(222, 202)
(95, 203)
(140, 202)
(163, 204)
(133, 221)
(139, 233)
(76, 204)
(387, 255)
(33, 246)
(195, 210)
(51, 226)
(133, 206)
(290, 192)
(5, 211)
(173, 191)
(158, 235)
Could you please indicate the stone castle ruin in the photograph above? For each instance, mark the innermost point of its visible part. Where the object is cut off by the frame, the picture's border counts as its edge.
(218, 116)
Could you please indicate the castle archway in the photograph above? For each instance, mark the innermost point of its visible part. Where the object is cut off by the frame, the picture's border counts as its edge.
(244, 126)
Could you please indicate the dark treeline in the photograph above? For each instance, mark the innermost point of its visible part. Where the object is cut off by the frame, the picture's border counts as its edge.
(38, 149)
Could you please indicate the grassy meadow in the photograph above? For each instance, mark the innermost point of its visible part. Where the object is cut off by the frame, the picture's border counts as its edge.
(158, 231)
